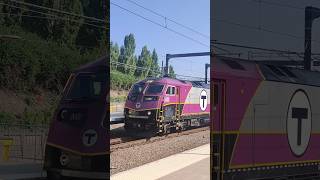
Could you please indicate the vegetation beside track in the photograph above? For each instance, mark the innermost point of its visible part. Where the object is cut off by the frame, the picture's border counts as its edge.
(39, 47)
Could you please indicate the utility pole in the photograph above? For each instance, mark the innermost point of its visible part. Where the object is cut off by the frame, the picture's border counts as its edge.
(162, 68)
(311, 13)
(206, 72)
(170, 56)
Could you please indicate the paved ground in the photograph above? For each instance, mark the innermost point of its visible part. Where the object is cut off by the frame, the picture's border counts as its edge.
(188, 164)
(198, 171)
(116, 117)
(21, 170)
(118, 126)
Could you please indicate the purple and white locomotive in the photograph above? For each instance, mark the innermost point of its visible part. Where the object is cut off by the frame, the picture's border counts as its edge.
(77, 144)
(163, 104)
(265, 121)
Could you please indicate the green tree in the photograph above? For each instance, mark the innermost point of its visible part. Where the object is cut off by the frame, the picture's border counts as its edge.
(121, 60)
(131, 65)
(129, 49)
(12, 13)
(155, 70)
(145, 62)
(114, 55)
(64, 30)
(171, 72)
(90, 36)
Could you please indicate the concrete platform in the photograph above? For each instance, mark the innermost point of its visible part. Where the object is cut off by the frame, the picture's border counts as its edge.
(116, 117)
(21, 170)
(188, 165)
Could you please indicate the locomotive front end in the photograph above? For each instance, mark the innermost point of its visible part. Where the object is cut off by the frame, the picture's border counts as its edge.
(142, 106)
(77, 141)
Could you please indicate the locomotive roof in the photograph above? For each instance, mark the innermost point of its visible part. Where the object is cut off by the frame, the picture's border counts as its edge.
(248, 68)
(97, 65)
(177, 82)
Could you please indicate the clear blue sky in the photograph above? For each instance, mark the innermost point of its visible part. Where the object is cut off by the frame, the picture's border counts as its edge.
(195, 14)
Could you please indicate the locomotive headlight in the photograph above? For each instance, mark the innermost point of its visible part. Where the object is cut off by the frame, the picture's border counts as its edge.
(149, 113)
(63, 114)
(64, 159)
(72, 115)
(151, 98)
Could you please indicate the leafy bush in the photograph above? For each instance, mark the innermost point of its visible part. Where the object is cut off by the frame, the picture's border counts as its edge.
(118, 99)
(6, 118)
(121, 81)
(34, 62)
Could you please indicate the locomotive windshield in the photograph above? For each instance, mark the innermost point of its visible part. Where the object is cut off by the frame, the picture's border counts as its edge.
(86, 86)
(154, 89)
(135, 91)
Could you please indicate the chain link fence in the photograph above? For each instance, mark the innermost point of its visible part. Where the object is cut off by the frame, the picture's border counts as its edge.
(28, 141)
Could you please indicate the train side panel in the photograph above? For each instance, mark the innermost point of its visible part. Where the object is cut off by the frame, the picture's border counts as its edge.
(271, 133)
(194, 105)
(264, 121)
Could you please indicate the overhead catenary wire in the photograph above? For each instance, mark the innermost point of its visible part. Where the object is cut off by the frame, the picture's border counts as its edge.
(278, 4)
(160, 25)
(169, 19)
(41, 42)
(148, 69)
(260, 29)
(59, 11)
(165, 27)
(250, 47)
(53, 17)
(299, 54)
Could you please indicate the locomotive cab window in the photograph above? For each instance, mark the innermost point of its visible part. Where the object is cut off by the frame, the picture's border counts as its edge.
(135, 91)
(171, 90)
(154, 89)
(137, 88)
(86, 86)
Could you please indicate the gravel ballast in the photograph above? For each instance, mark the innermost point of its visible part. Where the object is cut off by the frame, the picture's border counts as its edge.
(127, 158)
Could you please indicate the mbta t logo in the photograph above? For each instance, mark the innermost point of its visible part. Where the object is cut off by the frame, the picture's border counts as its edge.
(299, 122)
(89, 137)
(299, 114)
(203, 100)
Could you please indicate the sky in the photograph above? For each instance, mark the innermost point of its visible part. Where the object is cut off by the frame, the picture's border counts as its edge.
(285, 18)
(190, 13)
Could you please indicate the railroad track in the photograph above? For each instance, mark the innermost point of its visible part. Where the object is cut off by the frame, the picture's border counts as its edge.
(126, 142)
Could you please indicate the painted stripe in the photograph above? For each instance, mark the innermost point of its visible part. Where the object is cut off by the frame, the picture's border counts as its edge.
(184, 114)
(277, 165)
(76, 152)
(256, 133)
(165, 166)
(242, 120)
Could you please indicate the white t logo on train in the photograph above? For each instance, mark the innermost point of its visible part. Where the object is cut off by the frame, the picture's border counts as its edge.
(89, 137)
(203, 100)
(299, 122)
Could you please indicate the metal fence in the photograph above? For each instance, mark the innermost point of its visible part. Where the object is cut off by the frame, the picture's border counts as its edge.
(116, 108)
(28, 140)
